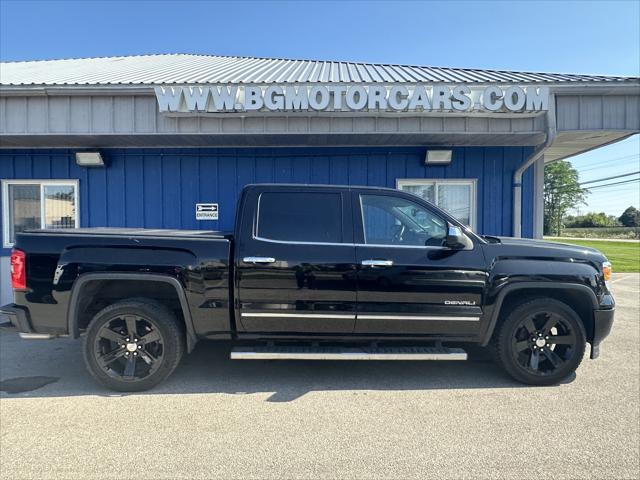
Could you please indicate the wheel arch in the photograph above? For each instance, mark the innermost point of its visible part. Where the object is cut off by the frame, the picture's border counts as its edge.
(84, 281)
(579, 297)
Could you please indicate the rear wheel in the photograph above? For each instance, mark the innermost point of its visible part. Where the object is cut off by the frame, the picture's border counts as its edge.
(133, 345)
(541, 342)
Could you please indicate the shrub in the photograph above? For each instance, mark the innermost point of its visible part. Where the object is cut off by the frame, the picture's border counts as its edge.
(606, 232)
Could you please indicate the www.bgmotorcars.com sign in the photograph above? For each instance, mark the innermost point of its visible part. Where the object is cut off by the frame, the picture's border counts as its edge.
(415, 98)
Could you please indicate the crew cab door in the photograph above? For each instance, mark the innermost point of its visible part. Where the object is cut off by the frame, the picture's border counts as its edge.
(295, 261)
(408, 283)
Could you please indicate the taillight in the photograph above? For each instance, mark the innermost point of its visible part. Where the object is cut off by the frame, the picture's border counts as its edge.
(18, 269)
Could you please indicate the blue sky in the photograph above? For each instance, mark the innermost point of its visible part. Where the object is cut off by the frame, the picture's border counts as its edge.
(550, 36)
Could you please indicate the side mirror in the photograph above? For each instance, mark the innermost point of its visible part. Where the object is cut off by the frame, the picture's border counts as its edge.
(456, 239)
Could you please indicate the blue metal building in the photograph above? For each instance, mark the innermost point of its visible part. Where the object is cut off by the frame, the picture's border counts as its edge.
(139, 141)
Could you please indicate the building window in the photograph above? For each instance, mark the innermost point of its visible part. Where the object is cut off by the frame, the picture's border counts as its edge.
(457, 197)
(29, 204)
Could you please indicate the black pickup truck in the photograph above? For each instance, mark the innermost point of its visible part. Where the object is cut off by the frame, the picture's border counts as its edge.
(312, 272)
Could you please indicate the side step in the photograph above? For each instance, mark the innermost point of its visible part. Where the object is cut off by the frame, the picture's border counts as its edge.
(343, 353)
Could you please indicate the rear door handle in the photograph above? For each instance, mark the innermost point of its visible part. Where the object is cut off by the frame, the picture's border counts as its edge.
(258, 259)
(377, 263)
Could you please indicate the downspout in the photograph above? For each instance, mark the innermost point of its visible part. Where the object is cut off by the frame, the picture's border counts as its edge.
(535, 156)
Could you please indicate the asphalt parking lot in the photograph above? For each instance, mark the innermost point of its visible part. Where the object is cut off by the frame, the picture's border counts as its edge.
(216, 418)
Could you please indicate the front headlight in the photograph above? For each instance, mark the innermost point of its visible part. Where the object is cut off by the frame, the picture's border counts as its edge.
(607, 271)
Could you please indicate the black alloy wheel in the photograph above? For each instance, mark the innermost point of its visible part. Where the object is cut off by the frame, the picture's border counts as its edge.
(133, 345)
(129, 347)
(541, 342)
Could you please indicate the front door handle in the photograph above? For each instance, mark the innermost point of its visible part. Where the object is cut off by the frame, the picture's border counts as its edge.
(258, 259)
(377, 263)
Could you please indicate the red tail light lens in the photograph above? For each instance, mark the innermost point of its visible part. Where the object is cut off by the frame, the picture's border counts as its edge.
(18, 269)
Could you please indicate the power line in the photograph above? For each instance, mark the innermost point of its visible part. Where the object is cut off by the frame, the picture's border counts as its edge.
(624, 182)
(630, 182)
(606, 164)
(595, 187)
(611, 178)
(600, 162)
(621, 189)
(565, 186)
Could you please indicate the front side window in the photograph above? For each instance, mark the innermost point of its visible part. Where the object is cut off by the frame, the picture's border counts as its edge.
(455, 196)
(300, 217)
(38, 204)
(389, 220)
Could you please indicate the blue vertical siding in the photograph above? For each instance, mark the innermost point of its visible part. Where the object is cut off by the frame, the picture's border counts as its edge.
(158, 188)
(527, 203)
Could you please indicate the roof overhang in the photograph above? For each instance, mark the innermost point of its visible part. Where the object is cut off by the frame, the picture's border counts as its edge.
(569, 144)
(271, 140)
(586, 115)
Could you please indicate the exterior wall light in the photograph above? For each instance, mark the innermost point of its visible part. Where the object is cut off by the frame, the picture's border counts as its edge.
(89, 159)
(438, 157)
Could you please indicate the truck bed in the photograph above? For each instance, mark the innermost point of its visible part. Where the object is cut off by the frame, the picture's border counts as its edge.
(57, 258)
(135, 232)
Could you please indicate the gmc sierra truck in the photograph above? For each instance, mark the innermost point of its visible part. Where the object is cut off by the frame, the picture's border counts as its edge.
(312, 272)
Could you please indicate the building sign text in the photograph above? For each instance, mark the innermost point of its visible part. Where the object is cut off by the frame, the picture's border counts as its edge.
(351, 98)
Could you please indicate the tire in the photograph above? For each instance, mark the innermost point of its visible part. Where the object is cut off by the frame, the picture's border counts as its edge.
(128, 362)
(541, 342)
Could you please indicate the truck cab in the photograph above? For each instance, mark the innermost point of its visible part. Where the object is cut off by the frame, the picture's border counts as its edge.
(355, 261)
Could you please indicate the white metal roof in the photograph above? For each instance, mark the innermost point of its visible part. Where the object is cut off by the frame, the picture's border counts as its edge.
(199, 69)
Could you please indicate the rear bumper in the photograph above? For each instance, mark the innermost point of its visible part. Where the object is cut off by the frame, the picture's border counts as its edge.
(603, 321)
(17, 316)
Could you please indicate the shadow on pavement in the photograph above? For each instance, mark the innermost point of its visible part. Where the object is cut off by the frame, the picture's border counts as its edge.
(208, 369)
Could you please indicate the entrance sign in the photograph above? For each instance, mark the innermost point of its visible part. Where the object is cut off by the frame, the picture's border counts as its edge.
(206, 211)
(398, 98)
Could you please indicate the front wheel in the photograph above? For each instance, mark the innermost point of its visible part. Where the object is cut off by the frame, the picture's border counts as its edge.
(133, 345)
(541, 342)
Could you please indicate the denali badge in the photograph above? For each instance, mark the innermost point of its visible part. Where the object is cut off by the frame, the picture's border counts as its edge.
(459, 302)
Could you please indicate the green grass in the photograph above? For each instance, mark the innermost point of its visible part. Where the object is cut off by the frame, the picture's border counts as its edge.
(624, 256)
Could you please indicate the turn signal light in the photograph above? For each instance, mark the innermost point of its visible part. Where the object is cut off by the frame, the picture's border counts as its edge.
(607, 271)
(18, 269)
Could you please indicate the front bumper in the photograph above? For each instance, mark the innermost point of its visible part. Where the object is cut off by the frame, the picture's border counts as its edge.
(17, 316)
(602, 323)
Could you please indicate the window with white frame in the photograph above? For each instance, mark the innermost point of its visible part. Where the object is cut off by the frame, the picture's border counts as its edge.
(457, 197)
(29, 204)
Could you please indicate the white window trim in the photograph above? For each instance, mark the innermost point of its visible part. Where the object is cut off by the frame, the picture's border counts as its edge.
(41, 183)
(401, 182)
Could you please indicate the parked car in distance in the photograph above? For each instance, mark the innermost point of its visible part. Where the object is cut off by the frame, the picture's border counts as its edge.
(312, 272)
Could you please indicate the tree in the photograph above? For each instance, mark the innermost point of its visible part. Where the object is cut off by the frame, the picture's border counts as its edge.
(562, 192)
(630, 217)
(591, 220)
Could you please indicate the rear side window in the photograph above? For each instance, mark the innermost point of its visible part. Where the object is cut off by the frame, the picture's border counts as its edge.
(300, 217)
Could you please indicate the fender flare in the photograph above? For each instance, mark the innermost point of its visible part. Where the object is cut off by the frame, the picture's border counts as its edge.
(83, 280)
(495, 312)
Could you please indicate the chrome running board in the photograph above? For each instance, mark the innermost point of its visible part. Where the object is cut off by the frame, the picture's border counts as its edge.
(36, 336)
(343, 353)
